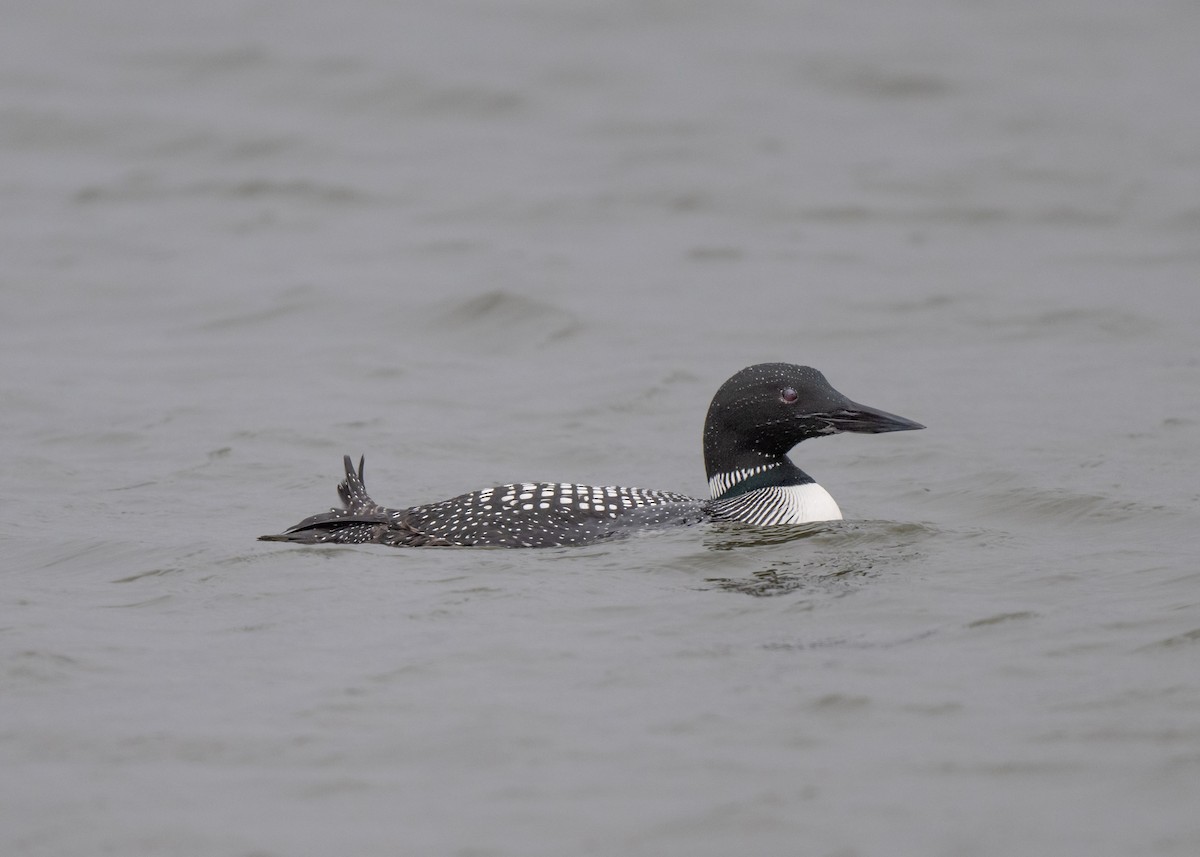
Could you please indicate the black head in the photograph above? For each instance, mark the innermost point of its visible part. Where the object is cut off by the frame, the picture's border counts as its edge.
(760, 413)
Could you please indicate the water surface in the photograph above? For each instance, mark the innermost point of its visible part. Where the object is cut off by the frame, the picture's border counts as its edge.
(483, 242)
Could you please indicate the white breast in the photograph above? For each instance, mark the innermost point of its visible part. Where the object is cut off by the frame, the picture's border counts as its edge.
(791, 504)
(810, 502)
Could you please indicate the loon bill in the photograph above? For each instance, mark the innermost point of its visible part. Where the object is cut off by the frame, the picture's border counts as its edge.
(754, 420)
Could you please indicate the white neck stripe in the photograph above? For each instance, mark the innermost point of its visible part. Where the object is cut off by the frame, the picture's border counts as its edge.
(722, 482)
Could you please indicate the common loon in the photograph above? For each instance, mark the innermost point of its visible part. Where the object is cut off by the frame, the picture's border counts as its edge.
(756, 417)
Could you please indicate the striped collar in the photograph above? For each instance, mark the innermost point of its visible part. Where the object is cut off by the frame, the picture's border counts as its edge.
(722, 482)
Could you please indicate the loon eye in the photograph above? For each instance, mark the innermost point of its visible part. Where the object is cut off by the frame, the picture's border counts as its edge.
(788, 396)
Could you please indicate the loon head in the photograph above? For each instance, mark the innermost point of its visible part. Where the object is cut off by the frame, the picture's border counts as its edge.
(763, 411)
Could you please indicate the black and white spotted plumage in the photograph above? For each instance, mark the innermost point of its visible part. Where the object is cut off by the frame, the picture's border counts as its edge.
(756, 417)
(525, 514)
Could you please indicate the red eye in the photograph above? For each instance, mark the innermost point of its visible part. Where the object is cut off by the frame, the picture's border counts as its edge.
(788, 396)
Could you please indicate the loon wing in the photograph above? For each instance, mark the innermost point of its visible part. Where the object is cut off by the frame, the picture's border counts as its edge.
(549, 514)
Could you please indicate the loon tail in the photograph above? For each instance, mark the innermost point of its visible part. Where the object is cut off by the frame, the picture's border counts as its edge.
(361, 521)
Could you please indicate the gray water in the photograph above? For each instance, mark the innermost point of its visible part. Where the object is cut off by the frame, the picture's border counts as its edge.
(485, 241)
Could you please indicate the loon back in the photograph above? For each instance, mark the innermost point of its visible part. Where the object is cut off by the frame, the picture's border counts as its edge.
(524, 514)
(755, 419)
